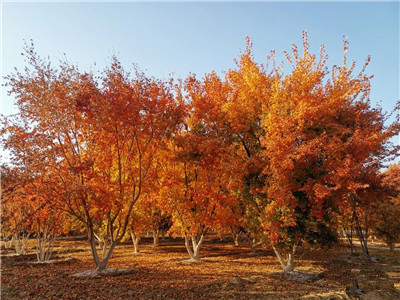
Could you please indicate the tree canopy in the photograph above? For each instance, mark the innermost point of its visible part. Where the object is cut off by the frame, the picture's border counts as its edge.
(275, 155)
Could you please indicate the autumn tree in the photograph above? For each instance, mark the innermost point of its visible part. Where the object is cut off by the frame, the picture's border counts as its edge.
(321, 135)
(143, 218)
(27, 212)
(385, 216)
(228, 111)
(30, 193)
(96, 136)
(48, 221)
(159, 221)
(194, 182)
(22, 200)
(17, 225)
(248, 88)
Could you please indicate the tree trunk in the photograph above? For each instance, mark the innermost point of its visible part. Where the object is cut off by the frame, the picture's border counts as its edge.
(196, 244)
(288, 265)
(135, 241)
(106, 254)
(91, 237)
(105, 245)
(390, 245)
(103, 263)
(252, 243)
(362, 237)
(349, 237)
(235, 237)
(156, 237)
(20, 241)
(44, 248)
(100, 241)
(163, 234)
(17, 244)
(8, 242)
(373, 238)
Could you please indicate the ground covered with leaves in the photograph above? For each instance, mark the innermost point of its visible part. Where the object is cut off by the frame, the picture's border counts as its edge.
(225, 272)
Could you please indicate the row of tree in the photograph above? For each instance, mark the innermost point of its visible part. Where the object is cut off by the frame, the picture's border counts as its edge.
(286, 160)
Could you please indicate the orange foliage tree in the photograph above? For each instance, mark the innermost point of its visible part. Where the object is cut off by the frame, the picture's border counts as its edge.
(98, 140)
(386, 212)
(247, 88)
(27, 210)
(27, 202)
(148, 216)
(16, 211)
(193, 181)
(140, 221)
(321, 136)
(49, 222)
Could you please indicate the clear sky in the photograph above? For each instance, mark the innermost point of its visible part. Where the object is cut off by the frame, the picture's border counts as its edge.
(183, 37)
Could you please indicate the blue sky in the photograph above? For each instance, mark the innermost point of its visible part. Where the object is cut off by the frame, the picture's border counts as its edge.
(178, 38)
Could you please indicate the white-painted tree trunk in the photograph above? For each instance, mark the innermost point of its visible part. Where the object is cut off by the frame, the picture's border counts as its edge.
(373, 239)
(100, 241)
(8, 244)
(104, 250)
(17, 245)
(103, 242)
(20, 241)
(44, 247)
(156, 237)
(235, 237)
(194, 250)
(288, 265)
(253, 245)
(135, 241)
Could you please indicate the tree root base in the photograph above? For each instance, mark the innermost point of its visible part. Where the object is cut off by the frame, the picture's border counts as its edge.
(56, 261)
(105, 272)
(190, 261)
(301, 277)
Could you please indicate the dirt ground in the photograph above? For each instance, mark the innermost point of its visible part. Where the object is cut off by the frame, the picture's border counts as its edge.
(226, 272)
